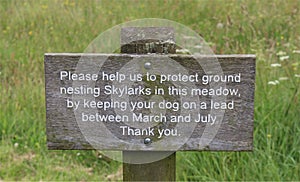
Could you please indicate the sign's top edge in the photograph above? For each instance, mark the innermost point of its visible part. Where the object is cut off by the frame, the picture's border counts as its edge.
(182, 55)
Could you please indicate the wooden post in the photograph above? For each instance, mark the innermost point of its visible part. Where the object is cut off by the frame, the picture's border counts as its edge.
(164, 169)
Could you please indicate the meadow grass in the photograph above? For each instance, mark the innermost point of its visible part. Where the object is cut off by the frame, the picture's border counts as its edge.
(268, 29)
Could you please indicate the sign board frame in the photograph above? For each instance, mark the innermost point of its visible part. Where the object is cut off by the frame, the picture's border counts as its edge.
(235, 134)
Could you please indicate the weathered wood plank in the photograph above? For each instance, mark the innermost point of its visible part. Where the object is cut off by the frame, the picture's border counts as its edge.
(235, 132)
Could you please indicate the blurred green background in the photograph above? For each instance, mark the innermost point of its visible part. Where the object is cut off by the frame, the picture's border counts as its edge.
(268, 29)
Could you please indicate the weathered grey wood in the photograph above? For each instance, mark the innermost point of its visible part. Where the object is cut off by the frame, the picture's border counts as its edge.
(143, 40)
(63, 132)
(162, 170)
(235, 133)
(140, 40)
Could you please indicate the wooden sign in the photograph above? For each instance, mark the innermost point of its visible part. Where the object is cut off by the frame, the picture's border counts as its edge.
(149, 102)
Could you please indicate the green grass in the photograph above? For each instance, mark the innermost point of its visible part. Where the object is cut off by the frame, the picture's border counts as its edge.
(28, 29)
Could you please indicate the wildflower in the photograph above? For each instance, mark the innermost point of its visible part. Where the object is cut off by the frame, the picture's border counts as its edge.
(269, 135)
(30, 33)
(282, 58)
(276, 65)
(271, 83)
(44, 7)
(296, 51)
(297, 76)
(283, 78)
(220, 25)
(275, 82)
(16, 145)
(78, 154)
(66, 3)
(281, 53)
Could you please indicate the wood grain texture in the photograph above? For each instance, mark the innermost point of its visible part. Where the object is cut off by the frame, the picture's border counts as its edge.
(143, 40)
(162, 170)
(63, 132)
(162, 41)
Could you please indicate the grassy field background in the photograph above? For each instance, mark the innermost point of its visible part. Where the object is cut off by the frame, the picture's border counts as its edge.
(268, 29)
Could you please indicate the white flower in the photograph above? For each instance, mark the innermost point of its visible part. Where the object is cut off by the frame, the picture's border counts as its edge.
(297, 76)
(276, 65)
(275, 82)
(283, 78)
(198, 46)
(282, 58)
(78, 154)
(271, 83)
(16, 145)
(220, 25)
(281, 53)
(296, 51)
